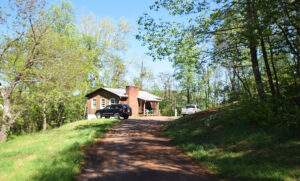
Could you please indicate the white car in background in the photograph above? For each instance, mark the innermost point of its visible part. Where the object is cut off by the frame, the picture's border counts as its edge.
(190, 109)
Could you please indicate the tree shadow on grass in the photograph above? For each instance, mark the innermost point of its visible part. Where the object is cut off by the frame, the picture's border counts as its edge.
(240, 151)
(255, 165)
(94, 126)
(65, 165)
(61, 166)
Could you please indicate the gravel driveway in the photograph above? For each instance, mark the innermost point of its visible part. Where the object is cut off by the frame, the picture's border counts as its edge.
(136, 150)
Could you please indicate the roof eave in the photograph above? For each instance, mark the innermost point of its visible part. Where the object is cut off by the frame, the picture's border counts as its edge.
(153, 100)
(87, 95)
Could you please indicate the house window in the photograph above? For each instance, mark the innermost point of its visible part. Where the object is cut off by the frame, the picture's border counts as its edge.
(94, 103)
(102, 103)
(112, 101)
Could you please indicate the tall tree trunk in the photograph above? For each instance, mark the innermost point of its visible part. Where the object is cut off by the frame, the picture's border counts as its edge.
(7, 119)
(207, 94)
(6, 116)
(265, 57)
(188, 94)
(169, 92)
(232, 82)
(273, 66)
(253, 49)
(298, 67)
(3, 134)
(60, 113)
(44, 106)
(206, 99)
(231, 76)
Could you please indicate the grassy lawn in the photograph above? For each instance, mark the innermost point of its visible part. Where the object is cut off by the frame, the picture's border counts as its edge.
(51, 155)
(237, 150)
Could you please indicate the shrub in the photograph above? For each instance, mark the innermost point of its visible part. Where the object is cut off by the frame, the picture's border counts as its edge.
(270, 111)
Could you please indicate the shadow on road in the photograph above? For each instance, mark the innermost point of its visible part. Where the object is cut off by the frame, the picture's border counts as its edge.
(137, 150)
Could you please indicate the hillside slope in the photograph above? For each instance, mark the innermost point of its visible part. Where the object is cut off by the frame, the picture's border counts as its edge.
(238, 150)
(50, 155)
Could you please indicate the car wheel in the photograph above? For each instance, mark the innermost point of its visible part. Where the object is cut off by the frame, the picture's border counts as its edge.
(106, 117)
(98, 115)
(125, 117)
(117, 116)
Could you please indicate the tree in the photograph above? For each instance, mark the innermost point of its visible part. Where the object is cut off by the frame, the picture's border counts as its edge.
(145, 75)
(250, 21)
(48, 63)
(167, 82)
(43, 63)
(107, 42)
(64, 74)
(20, 55)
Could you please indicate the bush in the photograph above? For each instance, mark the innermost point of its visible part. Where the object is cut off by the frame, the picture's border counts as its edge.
(270, 111)
(167, 108)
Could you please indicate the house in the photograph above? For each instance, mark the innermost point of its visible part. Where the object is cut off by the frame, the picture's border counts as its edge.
(141, 102)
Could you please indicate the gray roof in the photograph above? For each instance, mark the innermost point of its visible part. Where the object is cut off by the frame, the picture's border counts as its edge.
(118, 92)
(147, 96)
(142, 94)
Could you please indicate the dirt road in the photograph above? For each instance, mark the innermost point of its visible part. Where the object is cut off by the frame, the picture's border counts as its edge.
(136, 150)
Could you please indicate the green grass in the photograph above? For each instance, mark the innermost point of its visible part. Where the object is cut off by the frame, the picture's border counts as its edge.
(238, 150)
(50, 155)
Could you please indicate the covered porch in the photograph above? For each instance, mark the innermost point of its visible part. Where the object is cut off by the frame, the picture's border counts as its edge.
(148, 108)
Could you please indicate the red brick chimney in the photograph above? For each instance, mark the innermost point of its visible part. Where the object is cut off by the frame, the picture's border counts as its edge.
(132, 100)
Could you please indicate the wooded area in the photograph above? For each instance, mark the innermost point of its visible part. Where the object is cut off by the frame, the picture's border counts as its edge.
(48, 63)
(225, 51)
(244, 51)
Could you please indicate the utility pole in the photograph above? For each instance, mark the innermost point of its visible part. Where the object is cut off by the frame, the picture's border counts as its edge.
(175, 111)
(142, 75)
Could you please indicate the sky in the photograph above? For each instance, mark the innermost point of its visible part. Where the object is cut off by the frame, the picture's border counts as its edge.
(129, 10)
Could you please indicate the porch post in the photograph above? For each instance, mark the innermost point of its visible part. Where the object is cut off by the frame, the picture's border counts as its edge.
(158, 109)
(144, 107)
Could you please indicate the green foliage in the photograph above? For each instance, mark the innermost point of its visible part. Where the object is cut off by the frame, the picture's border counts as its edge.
(48, 63)
(63, 17)
(270, 111)
(107, 41)
(166, 108)
(51, 155)
(237, 149)
(224, 50)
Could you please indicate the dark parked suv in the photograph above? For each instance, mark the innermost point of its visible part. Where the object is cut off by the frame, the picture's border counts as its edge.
(116, 110)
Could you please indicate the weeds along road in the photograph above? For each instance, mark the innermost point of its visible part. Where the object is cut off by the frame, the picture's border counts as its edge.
(136, 150)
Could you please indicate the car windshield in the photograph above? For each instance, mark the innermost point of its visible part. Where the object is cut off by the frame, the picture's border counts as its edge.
(190, 106)
(108, 107)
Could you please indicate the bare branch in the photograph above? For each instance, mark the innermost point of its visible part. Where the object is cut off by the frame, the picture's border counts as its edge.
(30, 80)
(32, 28)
